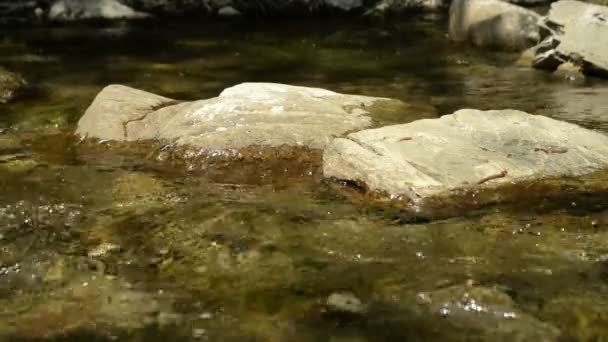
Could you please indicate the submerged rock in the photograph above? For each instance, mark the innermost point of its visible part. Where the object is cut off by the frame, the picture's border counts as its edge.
(494, 23)
(87, 304)
(345, 303)
(583, 317)
(488, 311)
(135, 189)
(580, 36)
(10, 84)
(246, 115)
(467, 150)
(14, 157)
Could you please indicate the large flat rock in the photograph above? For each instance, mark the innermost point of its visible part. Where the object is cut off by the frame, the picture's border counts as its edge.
(464, 150)
(585, 28)
(246, 115)
(581, 37)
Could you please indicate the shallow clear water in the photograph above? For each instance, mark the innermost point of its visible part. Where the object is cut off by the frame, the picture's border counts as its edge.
(103, 244)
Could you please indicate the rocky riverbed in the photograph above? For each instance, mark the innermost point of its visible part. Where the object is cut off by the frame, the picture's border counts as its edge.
(109, 236)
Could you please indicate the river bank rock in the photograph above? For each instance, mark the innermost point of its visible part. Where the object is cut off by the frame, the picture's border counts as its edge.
(494, 23)
(580, 36)
(395, 6)
(10, 84)
(294, 7)
(67, 10)
(470, 149)
(36, 11)
(246, 115)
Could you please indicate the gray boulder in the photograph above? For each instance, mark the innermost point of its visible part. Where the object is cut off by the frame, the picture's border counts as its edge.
(65, 10)
(580, 36)
(394, 6)
(467, 150)
(345, 302)
(10, 84)
(249, 114)
(494, 23)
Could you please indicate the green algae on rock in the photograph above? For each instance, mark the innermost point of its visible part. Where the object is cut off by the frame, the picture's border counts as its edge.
(10, 84)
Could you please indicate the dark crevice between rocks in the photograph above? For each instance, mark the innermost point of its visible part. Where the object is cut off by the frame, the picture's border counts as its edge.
(590, 69)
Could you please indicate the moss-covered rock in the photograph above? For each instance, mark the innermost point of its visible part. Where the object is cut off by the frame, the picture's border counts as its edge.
(10, 84)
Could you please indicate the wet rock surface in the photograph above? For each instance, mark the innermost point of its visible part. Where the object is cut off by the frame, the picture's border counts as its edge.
(465, 150)
(247, 115)
(493, 23)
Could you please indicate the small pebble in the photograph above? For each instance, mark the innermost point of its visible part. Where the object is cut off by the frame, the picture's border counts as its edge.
(198, 333)
(200, 269)
(345, 302)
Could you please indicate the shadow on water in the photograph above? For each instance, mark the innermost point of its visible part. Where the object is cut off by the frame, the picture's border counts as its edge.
(147, 334)
(192, 61)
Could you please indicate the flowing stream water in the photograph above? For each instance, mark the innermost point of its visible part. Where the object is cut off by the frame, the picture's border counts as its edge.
(99, 244)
